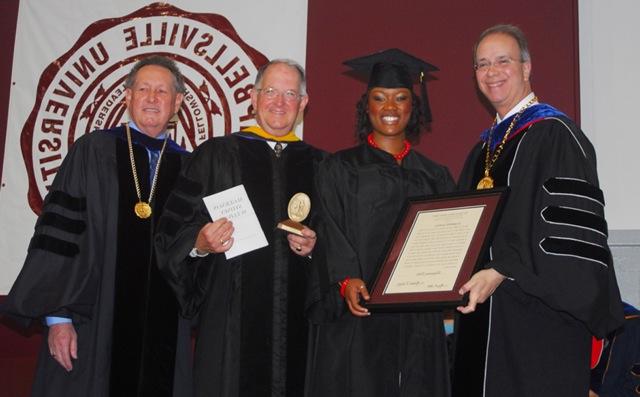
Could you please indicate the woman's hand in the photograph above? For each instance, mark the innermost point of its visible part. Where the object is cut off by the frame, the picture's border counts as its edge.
(355, 289)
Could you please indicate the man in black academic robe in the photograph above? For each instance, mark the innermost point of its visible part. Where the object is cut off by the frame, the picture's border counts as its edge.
(252, 334)
(91, 267)
(548, 285)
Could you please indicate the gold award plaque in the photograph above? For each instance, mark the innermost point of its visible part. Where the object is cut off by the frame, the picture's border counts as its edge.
(299, 207)
(298, 210)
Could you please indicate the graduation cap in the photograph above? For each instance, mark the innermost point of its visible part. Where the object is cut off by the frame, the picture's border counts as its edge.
(394, 68)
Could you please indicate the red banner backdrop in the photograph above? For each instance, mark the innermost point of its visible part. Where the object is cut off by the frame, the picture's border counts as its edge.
(442, 33)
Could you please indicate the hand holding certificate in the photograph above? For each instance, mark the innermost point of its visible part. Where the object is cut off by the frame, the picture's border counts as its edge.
(234, 204)
(438, 244)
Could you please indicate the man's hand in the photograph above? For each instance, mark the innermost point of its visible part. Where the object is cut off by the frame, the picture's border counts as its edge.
(215, 237)
(302, 245)
(63, 344)
(480, 287)
(353, 291)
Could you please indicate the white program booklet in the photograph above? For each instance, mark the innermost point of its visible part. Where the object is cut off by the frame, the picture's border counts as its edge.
(234, 204)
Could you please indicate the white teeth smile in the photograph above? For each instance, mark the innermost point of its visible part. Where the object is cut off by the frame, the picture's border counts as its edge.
(390, 119)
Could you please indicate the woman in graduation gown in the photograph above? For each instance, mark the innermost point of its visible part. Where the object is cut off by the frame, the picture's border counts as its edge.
(362, 191)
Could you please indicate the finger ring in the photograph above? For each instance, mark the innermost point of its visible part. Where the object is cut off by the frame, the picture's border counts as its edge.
(222, 241)
(362, 286)
(298, 248)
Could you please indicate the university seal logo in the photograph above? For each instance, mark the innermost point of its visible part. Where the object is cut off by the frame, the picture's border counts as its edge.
(83, 90)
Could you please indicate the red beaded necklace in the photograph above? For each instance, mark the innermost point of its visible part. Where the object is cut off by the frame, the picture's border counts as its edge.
(399, 156)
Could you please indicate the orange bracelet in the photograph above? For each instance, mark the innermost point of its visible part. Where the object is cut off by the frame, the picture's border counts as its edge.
(343, 286)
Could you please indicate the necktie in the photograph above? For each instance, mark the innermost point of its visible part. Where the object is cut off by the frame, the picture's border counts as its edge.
(153, 162)
(278, 149)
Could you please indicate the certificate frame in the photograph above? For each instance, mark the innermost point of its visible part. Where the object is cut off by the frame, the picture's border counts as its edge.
(395, 287)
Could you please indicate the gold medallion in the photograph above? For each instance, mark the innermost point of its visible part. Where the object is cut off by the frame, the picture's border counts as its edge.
(142, 209)
(298, 210)
(299, 207)
(485, 183)
(489, 161)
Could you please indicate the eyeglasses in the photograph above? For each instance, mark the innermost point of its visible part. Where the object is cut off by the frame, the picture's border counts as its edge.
(272, 93)
(499, 63)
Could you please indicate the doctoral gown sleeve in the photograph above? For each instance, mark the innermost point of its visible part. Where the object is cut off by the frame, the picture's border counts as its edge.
(554, 234)
(60, 275)
(334, 256)
(183, 217)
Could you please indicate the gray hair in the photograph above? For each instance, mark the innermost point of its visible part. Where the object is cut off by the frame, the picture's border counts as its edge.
(169, 64)
(509, 30)
(291, 63)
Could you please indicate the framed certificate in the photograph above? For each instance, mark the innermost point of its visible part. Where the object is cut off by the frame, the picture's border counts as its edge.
(438, 243)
